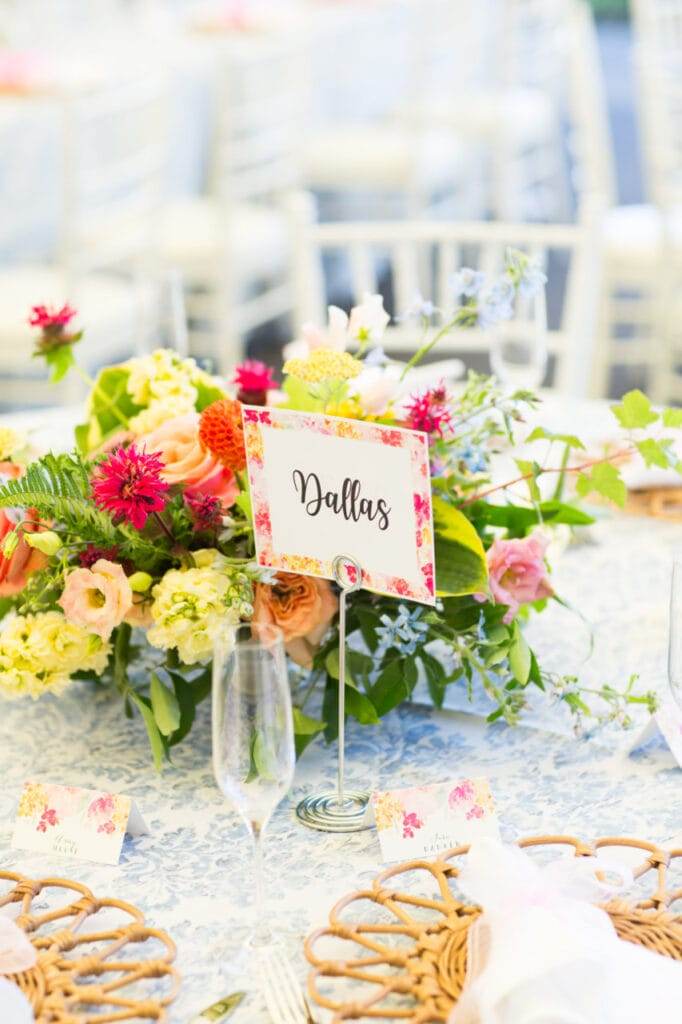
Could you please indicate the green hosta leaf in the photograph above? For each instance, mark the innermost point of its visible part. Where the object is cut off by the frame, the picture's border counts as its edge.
(672, 418)
(156, 741)
(461, 566)
(603, 479)
(164, 705)
(519, 657)
(634, 412)
(546, 435)
(305, 730)
(657, 453)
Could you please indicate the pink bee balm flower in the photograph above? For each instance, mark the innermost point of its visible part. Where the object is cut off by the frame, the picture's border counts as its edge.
(517, 573)
(430, 412)
(253, 379)
(128, 484)
(204, 509)
(49, 318)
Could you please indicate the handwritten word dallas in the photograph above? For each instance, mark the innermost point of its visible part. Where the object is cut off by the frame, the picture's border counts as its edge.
(346, 502)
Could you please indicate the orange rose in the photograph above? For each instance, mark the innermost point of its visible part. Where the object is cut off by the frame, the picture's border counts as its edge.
(15, 571)
(302, 607)
(187, 463)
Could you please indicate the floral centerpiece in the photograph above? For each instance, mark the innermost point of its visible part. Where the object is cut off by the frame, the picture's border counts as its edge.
(142, 536)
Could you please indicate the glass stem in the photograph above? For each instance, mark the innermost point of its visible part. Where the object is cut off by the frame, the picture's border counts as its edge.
(261, 932)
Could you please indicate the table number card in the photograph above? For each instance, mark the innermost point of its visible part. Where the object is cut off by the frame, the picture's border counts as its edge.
(323, 486)
(426, 820)
(74, 822)
(668, 721)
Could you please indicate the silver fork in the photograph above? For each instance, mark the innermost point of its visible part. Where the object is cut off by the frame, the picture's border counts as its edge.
(284, 996)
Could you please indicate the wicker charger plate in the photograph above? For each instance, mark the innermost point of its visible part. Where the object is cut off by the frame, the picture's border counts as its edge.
(398, 951)
(97, 960)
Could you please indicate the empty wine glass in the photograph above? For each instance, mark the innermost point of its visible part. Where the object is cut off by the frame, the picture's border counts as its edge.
(253, 738)
(675, 631)
(518, 348)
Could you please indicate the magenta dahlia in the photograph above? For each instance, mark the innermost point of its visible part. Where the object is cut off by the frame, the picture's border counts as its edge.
(128, 484)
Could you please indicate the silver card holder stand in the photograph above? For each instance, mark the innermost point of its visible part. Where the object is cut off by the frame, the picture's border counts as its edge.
(344, 810)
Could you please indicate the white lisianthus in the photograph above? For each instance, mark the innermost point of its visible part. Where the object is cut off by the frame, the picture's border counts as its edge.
(192, 607)
(376, 388)
(39, 654)
(366, 323)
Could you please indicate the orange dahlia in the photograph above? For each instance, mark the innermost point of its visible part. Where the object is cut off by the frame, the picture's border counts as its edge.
(221, 433)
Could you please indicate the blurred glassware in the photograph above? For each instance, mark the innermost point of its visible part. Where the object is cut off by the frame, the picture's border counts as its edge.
(675, 630)
(253, 739)
(518, 346)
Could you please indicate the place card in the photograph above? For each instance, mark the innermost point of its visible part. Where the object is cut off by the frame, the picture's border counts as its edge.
(74, 822)
(423, 821)
(323, 486)
(666, 720)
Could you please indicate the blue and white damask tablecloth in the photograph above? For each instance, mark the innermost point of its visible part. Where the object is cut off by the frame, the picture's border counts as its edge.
(191, 875)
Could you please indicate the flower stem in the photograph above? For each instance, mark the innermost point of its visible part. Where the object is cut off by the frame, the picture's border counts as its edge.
(164, 527)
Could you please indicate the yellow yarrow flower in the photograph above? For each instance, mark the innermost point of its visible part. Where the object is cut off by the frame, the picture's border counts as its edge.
(39, 654)
(324, 364)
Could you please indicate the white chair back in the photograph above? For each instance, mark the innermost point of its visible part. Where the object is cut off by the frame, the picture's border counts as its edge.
(410, 257)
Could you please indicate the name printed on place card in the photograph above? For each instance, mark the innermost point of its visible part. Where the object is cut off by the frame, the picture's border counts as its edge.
(73, 822)
(423, 821)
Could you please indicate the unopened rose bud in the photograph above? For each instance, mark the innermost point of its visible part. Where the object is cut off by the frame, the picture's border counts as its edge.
(9, 545)
(140, 582)
(47, 541)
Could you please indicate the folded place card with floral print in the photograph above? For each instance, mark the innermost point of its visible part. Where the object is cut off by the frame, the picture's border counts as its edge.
(666, 720)
(426, 820)
(75, 822)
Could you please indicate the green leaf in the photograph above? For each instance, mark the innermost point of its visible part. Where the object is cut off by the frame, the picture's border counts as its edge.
(657, 453)
(243, 502)
(156, 741)
(110, 393)
(436, 678)
(672, 418)
(391, 687)
(187, 696)
(634, 412)
(60, 360)
(164, 705)
(361, 707)
(519, 656)
(547, 435)
(518, 520)
(299, 396)
(264, 757)
(532, 471)
(603, 479)
(368, 620)
(461, 566)
(305, 730)
(206, 394)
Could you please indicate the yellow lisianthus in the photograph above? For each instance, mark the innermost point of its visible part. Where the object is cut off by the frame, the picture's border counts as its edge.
(324, 364)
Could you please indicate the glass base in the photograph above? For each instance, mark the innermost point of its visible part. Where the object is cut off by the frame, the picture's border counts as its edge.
(324, 812)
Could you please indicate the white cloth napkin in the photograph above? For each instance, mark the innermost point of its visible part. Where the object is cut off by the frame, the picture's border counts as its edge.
(14, 1006)
(16, 954)
(542, 953)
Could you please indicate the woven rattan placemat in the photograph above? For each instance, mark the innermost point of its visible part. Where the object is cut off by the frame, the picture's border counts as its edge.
(97, 960)
(401, 954)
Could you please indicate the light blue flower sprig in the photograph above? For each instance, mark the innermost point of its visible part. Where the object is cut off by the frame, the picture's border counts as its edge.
(405, 632)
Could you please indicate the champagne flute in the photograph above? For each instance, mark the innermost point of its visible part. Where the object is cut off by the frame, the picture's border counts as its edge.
(518, 349)
(675, 631)
(253, 738)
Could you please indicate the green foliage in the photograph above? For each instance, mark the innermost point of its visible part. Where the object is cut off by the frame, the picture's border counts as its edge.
(603, 479)
(634, 411)
(460, 556)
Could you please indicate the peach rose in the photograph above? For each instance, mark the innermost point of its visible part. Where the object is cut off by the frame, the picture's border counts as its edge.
(187, 463)
(14, 571)
(98, 599)
(302, 607)
(517, 572)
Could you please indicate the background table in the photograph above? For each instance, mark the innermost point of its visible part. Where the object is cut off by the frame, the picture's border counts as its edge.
(191, 875)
